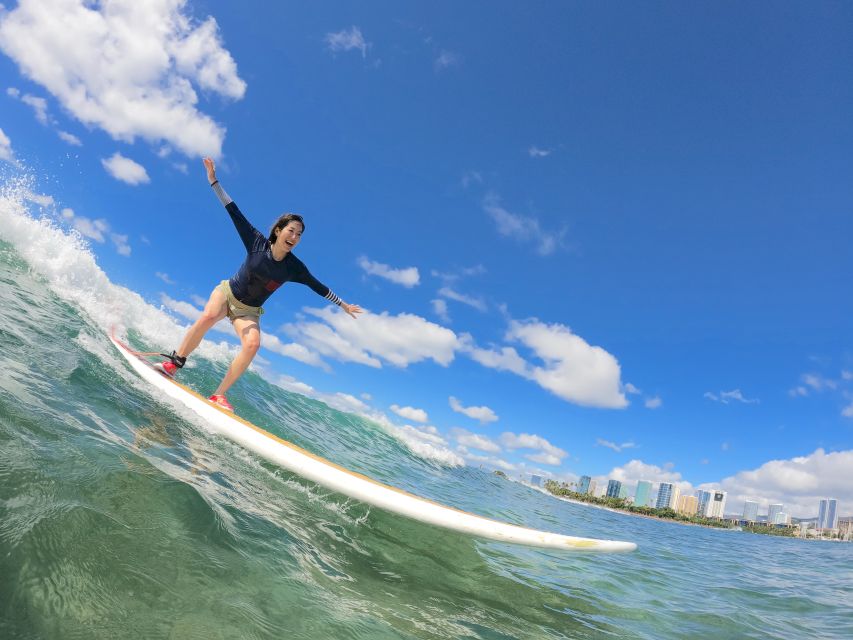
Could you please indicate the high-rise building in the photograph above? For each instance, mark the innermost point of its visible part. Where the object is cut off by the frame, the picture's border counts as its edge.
(750, 510)
(623, 491)
(827, 517)
(667, 496)
(782, 518)
(775, 509)
(535, 480)
(593, 486)
(644, 493)
(613, 488)
(704, 497)
(583, 484)
(687, 505)
(716, 505)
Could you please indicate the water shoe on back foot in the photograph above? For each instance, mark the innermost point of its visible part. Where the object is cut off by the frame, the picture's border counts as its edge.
(221, 402)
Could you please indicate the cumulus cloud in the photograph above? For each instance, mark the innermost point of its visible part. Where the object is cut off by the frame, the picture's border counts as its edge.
(125, 169)
(126, 66)
(520, 227)
(636, 470)
(483, 414)
(572, 369)
(547, 452)
(475, 441)
(164, 277)
(798, 483)
(407, 277)
(399, 340)
(726, 397)
(97, 230)
(410, 413)
(631, 389)
(347, 40)
(6, 152)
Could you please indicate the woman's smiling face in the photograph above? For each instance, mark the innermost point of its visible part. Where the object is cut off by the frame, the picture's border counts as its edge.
(289, 236)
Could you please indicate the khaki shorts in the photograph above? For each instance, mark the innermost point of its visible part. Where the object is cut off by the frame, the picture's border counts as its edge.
(237, 309)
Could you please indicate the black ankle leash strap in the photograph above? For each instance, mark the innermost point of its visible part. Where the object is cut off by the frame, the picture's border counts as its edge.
(177, 360)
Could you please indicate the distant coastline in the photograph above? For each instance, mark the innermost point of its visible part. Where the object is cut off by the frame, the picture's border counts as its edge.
(620, 505)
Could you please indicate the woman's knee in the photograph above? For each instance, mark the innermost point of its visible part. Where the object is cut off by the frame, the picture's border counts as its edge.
(252, 342)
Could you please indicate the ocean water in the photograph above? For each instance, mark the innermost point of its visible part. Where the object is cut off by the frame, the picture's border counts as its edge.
(121, 516)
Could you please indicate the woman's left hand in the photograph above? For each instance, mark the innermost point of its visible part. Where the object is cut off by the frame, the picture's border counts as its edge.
(351, 309)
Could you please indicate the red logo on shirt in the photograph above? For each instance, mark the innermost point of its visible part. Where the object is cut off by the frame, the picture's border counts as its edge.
(272, 285)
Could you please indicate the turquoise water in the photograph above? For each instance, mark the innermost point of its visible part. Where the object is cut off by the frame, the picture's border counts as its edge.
(122, 517)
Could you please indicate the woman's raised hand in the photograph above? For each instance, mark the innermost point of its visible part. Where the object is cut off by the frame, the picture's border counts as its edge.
(351, 309)
(211, 169)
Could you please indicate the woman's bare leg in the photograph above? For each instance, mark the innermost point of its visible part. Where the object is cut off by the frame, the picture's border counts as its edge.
(249, 332)
(215, 309)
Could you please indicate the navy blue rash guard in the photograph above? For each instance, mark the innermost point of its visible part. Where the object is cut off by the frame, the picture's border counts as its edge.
(261, 274)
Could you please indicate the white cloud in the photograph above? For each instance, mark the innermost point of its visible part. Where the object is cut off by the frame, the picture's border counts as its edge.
(798, 483)
(503, 359)
(799, 392)
(407, 277)
(654, 403)
(548, 453)
(40, 199)
(347, 40)
(475, 441)
(439, 308)
(121, 245)
(451, 294)
(847, 375)
(410, 413)
(483, 414)
(445, 59)
(847, 411)
(521, 228)
(536, 152)
(612, 445)
(292, 350)
(725, 397)
(400, 340)
(125, 169)
(164, 277)
(819, 382)
(631, 389)
(39, 107)
(70, 138)
(6, 152)
(572, 369)
(126, 66)
(637, 470)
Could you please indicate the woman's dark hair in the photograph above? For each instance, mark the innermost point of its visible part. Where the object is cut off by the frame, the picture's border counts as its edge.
(282, 221)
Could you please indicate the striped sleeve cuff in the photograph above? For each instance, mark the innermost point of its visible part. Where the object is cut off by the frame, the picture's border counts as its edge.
(331, 297)
(224, 198)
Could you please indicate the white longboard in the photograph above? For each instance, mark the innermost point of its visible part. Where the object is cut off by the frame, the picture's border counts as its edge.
(349, 483)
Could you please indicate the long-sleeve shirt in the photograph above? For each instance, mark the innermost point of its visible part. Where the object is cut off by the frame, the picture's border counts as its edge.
(261, 274)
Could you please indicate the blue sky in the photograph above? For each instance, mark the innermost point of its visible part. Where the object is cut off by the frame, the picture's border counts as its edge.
(593, 238)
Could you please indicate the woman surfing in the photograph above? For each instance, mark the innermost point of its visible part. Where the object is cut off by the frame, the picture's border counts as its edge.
(269, 264)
